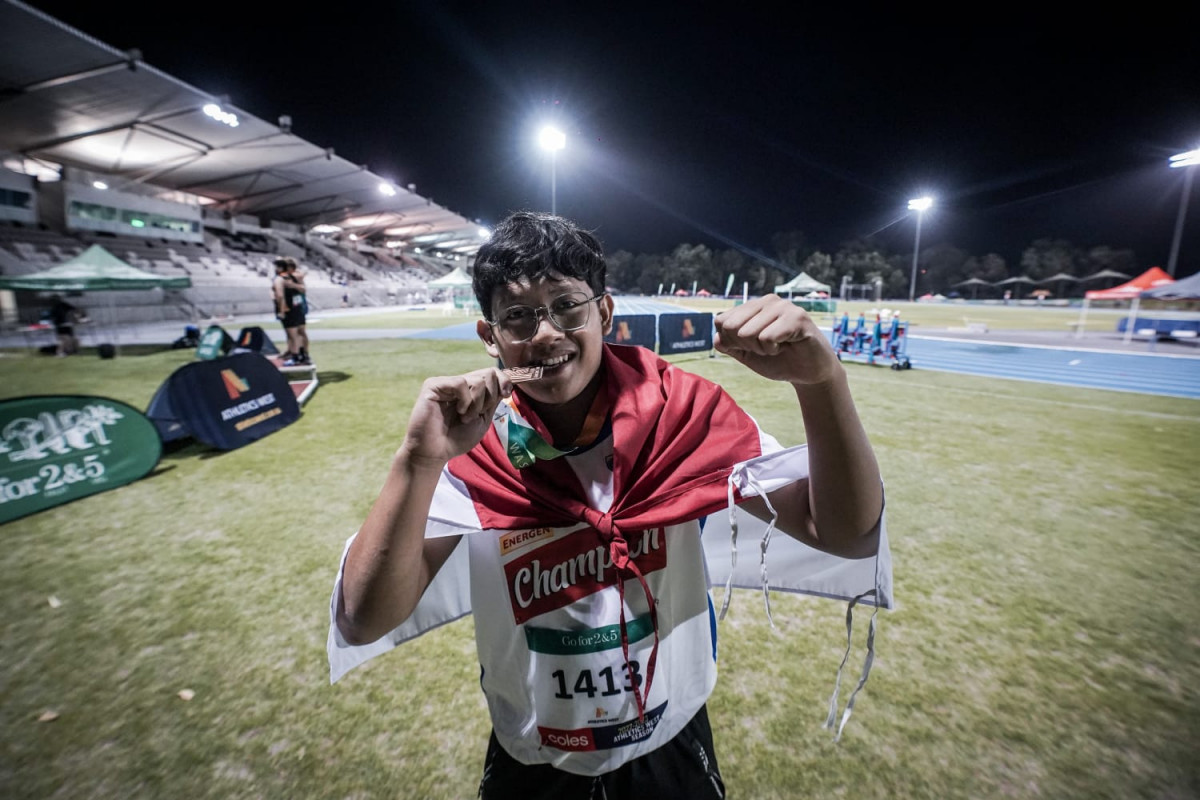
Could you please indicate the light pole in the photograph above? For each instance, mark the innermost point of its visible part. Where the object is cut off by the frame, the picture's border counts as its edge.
(1187, 160)
(552, 139)
(919, 205)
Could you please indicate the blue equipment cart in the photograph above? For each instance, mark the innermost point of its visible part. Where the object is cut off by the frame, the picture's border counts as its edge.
(877, 343)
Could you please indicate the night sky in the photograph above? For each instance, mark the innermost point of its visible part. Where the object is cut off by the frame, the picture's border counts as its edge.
(725, 125)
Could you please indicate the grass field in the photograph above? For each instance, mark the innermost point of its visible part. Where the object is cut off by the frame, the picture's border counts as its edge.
(1045, 643)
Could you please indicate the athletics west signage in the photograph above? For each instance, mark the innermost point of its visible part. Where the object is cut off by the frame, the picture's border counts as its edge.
(636, 329)
(57, 449)
(225, 402)
(684, 333)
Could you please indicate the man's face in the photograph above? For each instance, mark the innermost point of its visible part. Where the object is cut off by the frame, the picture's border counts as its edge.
(569, 359)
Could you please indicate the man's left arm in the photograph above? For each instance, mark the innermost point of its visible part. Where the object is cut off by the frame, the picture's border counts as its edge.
(839, 507)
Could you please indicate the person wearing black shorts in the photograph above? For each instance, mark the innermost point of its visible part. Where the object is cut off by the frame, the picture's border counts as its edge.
(685, 768)
(291, 309)
(559, 497)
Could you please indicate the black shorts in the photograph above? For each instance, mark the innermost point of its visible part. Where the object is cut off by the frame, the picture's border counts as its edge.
(684, 768)
(294, 318)
(64, 330)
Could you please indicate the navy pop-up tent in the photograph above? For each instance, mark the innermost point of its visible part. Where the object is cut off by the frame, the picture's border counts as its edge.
(224, 402)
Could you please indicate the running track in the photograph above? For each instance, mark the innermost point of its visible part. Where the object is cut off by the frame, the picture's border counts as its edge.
(1145, 373)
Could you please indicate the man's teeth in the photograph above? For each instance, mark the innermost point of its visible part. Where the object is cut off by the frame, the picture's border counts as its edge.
(551, 362)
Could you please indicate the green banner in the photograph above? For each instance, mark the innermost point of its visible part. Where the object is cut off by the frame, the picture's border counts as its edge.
(57, 449)
(215, 343)
(588, 640)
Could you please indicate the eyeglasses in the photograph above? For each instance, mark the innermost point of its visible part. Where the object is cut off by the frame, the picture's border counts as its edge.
(567, 312)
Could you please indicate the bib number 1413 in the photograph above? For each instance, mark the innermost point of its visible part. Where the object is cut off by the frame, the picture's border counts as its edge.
(585, 683)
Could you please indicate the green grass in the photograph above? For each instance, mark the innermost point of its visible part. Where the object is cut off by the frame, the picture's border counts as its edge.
(1044, 644)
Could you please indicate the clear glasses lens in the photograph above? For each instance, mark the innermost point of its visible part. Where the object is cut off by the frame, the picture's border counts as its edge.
(567, 312)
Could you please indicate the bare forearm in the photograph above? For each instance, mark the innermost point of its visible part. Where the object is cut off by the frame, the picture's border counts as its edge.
(844, 488)
(386, 571)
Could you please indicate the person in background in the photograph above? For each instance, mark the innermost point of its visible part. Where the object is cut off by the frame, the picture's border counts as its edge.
(63, 317)
(291, 309)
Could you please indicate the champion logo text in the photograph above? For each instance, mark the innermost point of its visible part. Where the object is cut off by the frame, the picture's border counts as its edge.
(559, 572)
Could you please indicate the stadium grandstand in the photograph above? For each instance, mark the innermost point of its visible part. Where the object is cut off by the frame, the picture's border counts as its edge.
(99, 147)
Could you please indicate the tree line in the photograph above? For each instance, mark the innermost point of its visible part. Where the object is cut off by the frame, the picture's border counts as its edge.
(940, 267)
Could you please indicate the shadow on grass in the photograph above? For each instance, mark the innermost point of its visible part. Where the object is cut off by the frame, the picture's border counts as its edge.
(126, 350)
(159, 470)
(180, 449)
(49, 351)
(333, 377)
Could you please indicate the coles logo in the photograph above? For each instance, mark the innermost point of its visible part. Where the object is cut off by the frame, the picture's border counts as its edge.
(575, 741)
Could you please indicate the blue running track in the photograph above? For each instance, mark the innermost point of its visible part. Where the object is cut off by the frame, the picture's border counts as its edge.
(1144, 373)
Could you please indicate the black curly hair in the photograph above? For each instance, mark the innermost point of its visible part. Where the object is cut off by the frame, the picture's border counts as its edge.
(529, 244)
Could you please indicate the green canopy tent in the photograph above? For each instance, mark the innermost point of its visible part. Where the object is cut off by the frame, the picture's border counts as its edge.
(458, 283)
(801, 284)
(93, 270)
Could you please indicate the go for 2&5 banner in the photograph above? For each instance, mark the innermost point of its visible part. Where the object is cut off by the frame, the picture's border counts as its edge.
(55, 449)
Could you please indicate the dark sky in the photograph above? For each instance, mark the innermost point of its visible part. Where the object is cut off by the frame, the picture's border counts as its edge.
(725, 125)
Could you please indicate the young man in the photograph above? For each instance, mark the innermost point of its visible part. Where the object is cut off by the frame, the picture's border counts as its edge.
(579, 492)
(291, 308)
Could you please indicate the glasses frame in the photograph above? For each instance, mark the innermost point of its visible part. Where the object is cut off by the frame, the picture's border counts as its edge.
(537, 317)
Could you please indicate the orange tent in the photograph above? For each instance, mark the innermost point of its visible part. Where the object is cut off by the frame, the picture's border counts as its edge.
(1130, 290)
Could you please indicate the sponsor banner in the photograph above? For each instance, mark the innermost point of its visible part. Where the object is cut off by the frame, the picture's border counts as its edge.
(226, 403)
(589, 640)
(55, 449)
(685, 333)
(638, 329)
(256, 340)
(215, 343)
(602, 737)
(558, 573)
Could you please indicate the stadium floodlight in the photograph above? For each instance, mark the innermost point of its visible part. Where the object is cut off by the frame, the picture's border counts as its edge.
(101, 185)
(919, 205)
(1189, 159)
(553, 140)
(387, 189)
(220, 115)
(484, 233)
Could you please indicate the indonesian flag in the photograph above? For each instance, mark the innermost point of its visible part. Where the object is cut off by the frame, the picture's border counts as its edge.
(682, 450)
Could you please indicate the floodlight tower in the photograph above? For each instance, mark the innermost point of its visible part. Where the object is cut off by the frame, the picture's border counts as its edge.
(553, 140)
(919, 205)
(1187, 162)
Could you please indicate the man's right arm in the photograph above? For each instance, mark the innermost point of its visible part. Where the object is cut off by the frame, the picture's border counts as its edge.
(390, 563)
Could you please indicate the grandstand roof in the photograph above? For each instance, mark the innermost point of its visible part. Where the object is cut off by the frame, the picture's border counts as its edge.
(69, 99)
